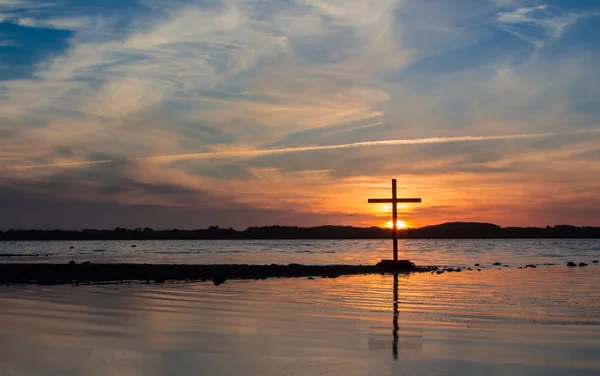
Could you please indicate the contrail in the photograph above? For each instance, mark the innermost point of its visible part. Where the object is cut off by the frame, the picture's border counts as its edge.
(264, 152)
(63, 164)
(418, 141)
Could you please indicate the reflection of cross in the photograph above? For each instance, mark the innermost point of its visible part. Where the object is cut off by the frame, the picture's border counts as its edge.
(395, 321)
(394, 201)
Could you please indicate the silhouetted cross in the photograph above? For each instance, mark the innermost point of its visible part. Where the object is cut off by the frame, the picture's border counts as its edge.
(394, 201)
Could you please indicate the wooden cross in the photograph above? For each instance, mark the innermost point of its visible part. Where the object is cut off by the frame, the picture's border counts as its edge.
(394, 201)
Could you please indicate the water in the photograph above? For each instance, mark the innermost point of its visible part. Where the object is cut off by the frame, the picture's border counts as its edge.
(507, 321)
(498, 322)
(422, 252)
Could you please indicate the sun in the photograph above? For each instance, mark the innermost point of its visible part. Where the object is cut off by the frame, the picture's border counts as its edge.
(399, 224)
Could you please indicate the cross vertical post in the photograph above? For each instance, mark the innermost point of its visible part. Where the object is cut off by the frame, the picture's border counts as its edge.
(394, 201)
(395, 219)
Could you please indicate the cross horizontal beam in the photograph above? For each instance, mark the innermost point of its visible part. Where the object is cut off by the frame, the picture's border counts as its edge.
(391, 200)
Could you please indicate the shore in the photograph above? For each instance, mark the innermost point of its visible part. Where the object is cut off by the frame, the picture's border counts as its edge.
(72, 273)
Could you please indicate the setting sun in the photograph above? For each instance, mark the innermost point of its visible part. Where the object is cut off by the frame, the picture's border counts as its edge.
(399, 224)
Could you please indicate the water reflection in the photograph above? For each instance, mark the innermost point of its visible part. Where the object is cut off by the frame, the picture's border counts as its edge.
(444, 325)
(395, 321)
(410, 341)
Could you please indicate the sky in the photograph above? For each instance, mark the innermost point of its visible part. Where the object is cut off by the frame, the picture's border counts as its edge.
(187, 114)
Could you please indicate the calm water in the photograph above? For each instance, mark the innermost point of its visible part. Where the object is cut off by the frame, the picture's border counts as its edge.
(422, 252)
(495, 322)
(543, 321)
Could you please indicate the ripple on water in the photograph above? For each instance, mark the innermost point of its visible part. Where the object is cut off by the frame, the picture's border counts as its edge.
(452, 253)
(529, 321)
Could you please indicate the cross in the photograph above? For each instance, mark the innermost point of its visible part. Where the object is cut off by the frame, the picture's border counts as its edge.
(394, 201)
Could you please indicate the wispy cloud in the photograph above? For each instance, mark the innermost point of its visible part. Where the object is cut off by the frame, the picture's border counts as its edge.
(263, 152)
(538, 23)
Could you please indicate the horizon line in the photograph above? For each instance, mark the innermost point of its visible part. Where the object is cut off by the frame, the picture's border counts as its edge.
(306, 227)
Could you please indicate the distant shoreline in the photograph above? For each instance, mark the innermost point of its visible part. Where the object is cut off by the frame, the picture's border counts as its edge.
(454, 230)
(274, 239)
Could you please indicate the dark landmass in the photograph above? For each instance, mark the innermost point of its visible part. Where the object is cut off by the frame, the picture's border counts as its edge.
(455, 230)
(72, 273)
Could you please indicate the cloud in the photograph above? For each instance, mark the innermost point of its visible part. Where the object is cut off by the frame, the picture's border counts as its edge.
(258, 153)
(101, 88)
(159, 99)
(539, 23)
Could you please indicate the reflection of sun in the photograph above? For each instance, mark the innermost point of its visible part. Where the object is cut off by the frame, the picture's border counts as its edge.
(399, 224)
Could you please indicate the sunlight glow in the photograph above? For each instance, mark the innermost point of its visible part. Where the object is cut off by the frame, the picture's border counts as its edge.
(399, 223)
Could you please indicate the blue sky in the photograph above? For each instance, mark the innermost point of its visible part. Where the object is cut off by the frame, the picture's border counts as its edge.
(192, 113)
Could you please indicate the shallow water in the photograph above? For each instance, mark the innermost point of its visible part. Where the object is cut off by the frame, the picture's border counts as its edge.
(423, 252)
(543, 321)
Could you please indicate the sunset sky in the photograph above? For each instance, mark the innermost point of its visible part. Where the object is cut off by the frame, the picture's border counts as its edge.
(168, 113)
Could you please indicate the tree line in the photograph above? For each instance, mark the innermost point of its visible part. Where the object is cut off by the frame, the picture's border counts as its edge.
(455, 230)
